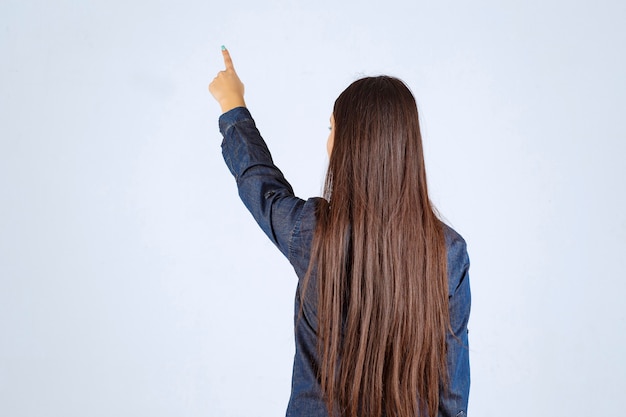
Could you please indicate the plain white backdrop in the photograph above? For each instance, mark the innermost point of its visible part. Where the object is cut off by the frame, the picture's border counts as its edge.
(133, 281)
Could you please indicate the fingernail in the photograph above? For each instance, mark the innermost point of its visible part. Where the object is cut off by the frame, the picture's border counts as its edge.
(223, 48)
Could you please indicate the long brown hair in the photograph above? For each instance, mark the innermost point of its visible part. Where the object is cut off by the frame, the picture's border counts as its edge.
(380, 258)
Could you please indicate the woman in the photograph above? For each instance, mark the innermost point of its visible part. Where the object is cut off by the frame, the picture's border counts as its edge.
(383, 297)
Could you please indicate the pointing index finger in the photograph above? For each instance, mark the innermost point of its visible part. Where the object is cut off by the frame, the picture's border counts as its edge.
(228, 62)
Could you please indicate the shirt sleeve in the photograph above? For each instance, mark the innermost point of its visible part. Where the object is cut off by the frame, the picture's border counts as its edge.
(454, 400)
(262, 186)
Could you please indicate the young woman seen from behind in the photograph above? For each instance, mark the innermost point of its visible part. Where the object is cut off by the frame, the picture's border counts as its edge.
(383, 298)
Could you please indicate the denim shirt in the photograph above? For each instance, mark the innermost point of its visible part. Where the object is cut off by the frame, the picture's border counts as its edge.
(289, 222)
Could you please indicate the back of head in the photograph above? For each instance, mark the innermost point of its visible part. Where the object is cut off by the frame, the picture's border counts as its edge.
(381, 261)
(377, 151)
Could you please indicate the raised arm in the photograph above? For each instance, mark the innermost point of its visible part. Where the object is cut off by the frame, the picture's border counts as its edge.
(262, 186)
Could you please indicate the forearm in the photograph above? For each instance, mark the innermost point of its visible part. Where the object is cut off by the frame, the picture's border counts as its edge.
(261, 185)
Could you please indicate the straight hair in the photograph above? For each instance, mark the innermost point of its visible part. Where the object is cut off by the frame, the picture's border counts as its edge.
(379, 256)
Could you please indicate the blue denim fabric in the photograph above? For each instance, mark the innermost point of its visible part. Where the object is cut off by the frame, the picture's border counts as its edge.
(289, 222)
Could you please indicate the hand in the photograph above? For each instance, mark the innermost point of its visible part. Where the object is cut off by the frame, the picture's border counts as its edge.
(226, 87)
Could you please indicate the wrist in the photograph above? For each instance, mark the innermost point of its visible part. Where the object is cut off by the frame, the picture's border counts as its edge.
(231, 103)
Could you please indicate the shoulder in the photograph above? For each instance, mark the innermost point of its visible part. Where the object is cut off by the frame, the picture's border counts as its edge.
(305, 227)
(454, 241)
(458, 258)
(301, 240)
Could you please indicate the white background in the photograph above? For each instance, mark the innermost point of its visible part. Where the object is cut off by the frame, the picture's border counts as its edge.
(133, 281)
